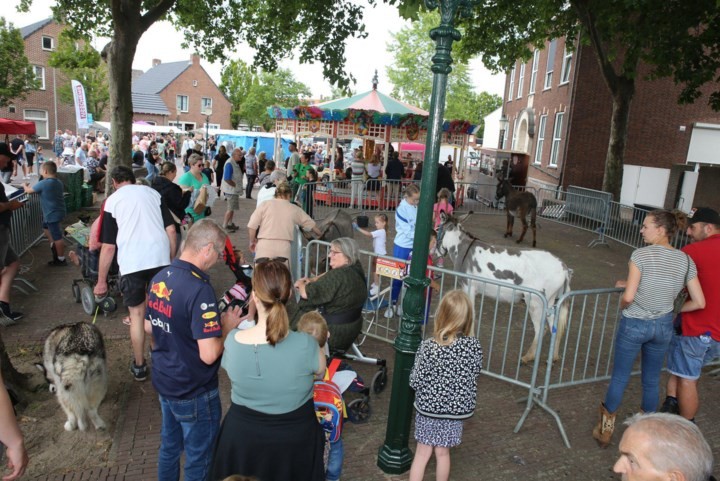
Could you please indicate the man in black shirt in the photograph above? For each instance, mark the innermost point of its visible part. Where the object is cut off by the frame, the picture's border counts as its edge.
(394, 171)
(9, 261)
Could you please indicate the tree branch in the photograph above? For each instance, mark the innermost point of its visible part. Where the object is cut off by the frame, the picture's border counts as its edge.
(154, 14)
(588, 21)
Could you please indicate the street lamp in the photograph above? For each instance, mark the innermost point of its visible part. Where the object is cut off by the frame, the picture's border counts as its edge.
(207, 112)
(504, 124)
(177, 118)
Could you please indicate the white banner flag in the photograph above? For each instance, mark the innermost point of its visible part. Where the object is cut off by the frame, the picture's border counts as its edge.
(81, 113)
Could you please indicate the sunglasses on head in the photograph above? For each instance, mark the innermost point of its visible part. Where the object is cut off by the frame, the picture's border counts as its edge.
(261, 260)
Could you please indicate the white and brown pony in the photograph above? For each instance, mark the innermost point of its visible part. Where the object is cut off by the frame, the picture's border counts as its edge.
(531, 268)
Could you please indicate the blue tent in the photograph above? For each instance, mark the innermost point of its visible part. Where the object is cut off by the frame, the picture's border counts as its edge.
(262, 142)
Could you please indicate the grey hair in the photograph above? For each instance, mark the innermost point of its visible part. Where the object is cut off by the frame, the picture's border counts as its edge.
(278, 176)
(348, 247)
(204, 232)
(251, 151)
(677, 445)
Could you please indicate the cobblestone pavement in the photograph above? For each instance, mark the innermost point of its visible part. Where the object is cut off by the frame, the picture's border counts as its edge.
(490, 450)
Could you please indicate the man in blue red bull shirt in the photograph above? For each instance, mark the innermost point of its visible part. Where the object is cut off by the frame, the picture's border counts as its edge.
(188, 334)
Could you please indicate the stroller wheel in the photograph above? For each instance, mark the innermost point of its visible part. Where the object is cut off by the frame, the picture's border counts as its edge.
(379, 380)
(76, 292)
(359, 411)
(108, 304)
(88, 299)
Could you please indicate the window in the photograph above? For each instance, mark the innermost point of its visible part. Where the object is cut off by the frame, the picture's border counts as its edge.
(557, 131)
(521, 80)
(11, 108)
(205, 104)
(512, 84)
(39, 76)
(40, 117)
(533, 74)
(550, 65)
(48, 43)
(515, 135)
(540, 139)
(567, 63)
(182, 103)
(195, 83)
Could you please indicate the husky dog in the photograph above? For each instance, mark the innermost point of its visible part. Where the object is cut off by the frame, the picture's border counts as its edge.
(75, 367)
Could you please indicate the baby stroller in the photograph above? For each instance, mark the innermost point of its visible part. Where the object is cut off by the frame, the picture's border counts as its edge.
(82, 289)
(344, 329)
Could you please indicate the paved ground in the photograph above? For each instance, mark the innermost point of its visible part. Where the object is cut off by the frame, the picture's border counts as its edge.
(490, 449)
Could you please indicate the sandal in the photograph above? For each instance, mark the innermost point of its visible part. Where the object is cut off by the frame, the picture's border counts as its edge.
(126, 320)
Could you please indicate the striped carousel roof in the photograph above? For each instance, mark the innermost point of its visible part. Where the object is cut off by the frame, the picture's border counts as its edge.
(372, 100)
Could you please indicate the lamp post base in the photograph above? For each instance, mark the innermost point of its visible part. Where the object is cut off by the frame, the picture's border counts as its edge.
(394, 461)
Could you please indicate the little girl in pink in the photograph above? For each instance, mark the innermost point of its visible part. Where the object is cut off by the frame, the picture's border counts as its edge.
(442, 205)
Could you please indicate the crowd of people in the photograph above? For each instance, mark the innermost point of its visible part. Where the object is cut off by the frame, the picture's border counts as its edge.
(165, 246)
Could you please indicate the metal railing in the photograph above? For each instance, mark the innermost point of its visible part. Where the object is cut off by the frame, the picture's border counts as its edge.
(505, 330)
(26, 226)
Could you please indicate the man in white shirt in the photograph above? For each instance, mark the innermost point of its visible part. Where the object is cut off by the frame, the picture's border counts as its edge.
(137, 224)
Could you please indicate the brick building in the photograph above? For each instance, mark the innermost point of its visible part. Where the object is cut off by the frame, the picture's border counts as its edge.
(558, 109)
(178, 93)
(43, 106)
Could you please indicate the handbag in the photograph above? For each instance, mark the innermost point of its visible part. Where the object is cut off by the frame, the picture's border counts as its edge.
(201, 201)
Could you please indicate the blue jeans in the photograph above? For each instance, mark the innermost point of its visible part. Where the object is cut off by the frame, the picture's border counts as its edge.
(651, 337)
(335, 460)
(190, 425)
(400, 253)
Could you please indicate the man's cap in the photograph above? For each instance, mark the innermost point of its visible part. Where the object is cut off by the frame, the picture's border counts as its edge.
(5, 150)
(293, 143)
(703, 214)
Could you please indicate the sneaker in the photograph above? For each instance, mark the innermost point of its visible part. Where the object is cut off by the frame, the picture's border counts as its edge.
(6, 321)
(398, 310)
(139, 372)
(374, 290)
(8, 314)
(232, 226)
(58, 263)
(389, 312)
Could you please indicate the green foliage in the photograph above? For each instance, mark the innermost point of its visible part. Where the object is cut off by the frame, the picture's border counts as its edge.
(412, 79)
(16, 74)
(251, 93)
(79, 61)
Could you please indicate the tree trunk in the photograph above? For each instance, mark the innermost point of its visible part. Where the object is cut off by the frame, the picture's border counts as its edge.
(622, 98)
(119, 54)
(16, 381)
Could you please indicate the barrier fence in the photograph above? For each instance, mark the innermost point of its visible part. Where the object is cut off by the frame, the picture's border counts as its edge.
(26, 226)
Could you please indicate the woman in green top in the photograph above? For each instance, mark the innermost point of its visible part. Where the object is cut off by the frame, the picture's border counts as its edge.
(270, 430)
(197, 180)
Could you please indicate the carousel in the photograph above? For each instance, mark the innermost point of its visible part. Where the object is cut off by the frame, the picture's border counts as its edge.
(375, 118)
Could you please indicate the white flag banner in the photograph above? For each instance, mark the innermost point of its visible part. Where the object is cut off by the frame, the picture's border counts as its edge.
(81, 113)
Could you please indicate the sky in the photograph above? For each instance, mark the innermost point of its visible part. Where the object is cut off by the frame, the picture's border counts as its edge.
(363, 55)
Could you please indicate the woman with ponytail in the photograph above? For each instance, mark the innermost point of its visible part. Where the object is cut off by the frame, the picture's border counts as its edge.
(270, 430)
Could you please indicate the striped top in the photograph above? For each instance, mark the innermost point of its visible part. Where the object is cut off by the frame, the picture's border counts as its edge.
(663, 271)
(358, 169)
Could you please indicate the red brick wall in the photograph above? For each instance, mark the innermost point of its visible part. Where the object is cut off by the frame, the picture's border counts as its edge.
(185, 85)
(543, 102)
(44, 99)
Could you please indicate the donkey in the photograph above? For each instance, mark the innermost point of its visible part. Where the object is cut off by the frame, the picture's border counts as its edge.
(535, 269)
(517, 204)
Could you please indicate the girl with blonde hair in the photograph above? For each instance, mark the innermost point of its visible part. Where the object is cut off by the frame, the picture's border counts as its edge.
(445, 381)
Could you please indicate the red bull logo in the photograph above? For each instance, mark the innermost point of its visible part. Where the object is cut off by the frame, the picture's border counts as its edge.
(161, 291)
(211, 326)
(161, 307)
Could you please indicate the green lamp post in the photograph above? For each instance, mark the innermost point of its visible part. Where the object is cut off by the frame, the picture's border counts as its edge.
(395, 456)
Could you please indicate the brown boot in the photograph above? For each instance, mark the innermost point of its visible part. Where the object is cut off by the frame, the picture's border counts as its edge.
(604, 430)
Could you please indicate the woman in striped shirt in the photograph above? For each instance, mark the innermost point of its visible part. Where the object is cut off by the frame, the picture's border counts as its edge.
(657, 273)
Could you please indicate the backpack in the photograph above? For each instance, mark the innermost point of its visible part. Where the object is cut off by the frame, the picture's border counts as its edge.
(329, 405)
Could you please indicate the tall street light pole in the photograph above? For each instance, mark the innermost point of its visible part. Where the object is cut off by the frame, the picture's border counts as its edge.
(208, 113)
(395, 456)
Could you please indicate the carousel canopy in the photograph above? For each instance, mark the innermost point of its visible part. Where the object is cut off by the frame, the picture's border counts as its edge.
(372, 100)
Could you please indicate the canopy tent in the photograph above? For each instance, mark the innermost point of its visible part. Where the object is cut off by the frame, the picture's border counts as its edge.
(140, 127)
(372, 100)
(14, 127)
(263, 142)
(411, 147)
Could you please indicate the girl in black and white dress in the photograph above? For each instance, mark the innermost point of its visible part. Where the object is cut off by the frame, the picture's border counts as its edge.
(445, 381)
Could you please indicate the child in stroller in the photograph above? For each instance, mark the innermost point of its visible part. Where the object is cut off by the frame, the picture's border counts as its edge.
(87, 257)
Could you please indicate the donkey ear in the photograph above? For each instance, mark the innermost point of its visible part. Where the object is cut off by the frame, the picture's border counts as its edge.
(443, 217)
(463, 218)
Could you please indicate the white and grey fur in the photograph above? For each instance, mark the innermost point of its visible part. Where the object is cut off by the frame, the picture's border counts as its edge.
(75, 366)
(532, 268)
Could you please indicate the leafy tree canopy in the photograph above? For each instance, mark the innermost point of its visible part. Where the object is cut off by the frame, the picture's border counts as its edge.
(79, 61)
(412, 79)
(251, 92)
(16, 75)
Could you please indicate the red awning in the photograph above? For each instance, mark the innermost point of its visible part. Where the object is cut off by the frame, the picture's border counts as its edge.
(10, 127)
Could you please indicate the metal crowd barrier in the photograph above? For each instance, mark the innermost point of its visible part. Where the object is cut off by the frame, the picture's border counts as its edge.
(624, 224)
(586, 212)
(26, 226)
(505, 330)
